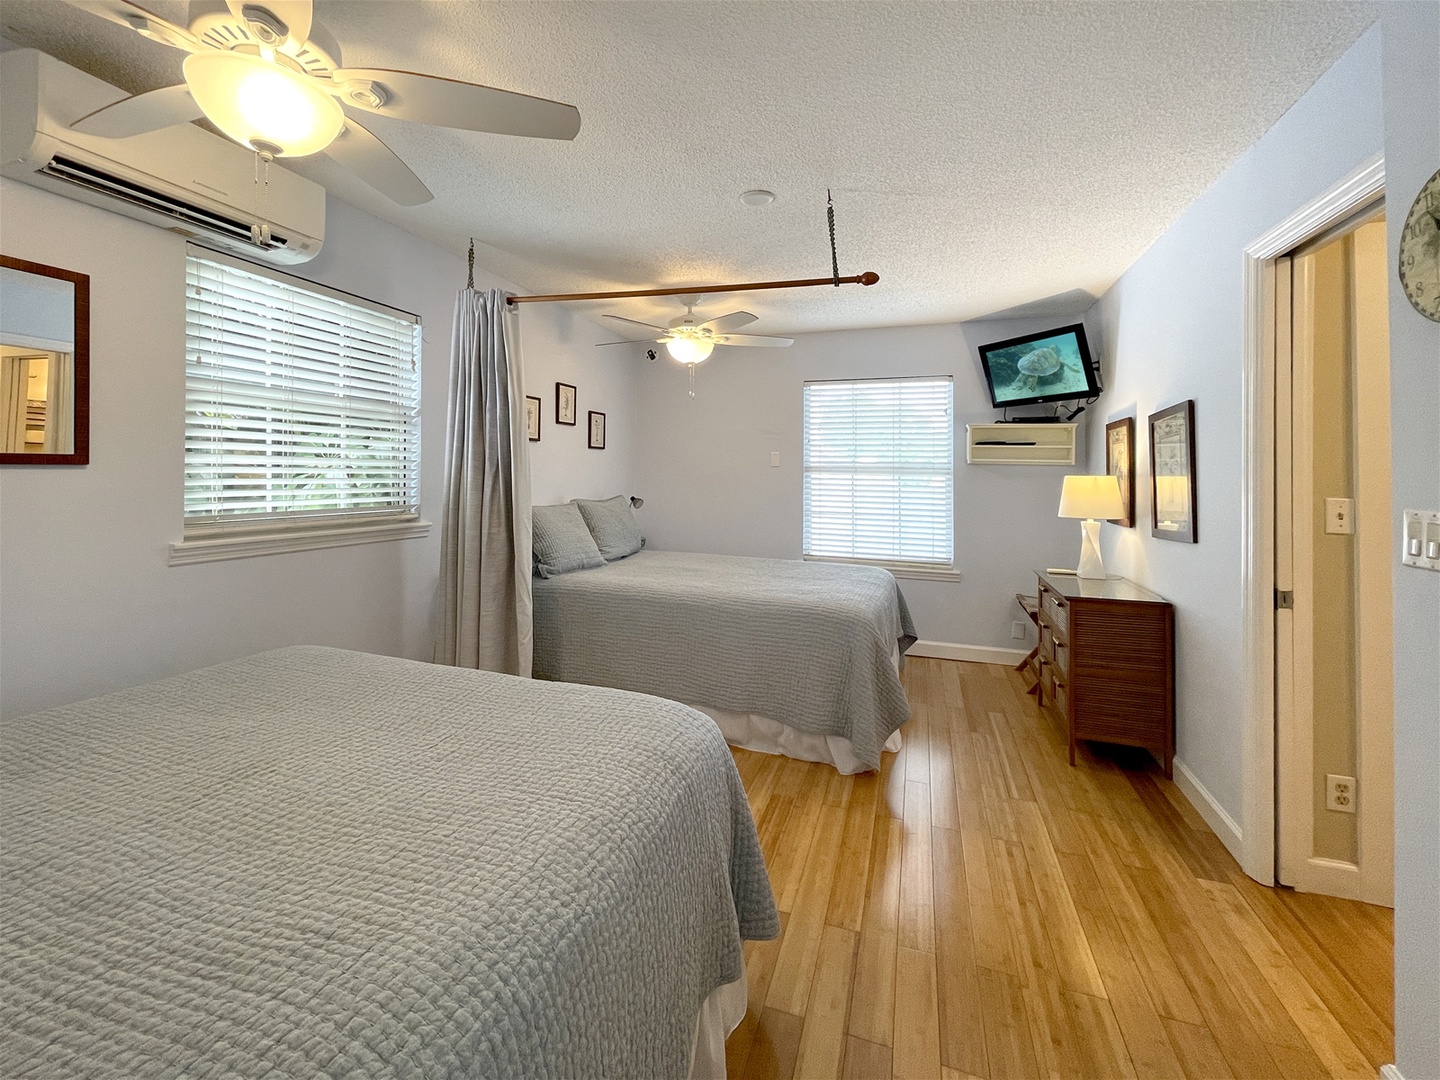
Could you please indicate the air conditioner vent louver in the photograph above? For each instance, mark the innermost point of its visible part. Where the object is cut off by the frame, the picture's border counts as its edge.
(83, 175)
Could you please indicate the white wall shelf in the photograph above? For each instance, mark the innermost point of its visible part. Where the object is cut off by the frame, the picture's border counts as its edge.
(1020, 444)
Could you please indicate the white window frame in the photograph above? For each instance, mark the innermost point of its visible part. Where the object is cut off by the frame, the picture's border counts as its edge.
(812, 551)
(208, 537)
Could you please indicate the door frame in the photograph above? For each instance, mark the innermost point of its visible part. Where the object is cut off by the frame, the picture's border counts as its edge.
(1257, 500)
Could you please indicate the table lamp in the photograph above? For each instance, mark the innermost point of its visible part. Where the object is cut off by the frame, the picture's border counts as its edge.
(1091, 498)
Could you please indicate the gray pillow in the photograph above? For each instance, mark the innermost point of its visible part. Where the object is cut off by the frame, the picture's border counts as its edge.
(562, 541)
(612, 523)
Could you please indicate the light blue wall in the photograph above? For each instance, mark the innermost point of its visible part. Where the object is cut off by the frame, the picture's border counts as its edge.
(1412, 154)
(87, 602)
(704, 467)
(1173, 327)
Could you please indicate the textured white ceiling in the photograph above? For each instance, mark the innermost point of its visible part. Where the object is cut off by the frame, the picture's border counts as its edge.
(984, 156)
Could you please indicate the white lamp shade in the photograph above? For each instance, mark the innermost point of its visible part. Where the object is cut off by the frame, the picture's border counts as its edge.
(263, 105)
(689, 350)
(1095, 497)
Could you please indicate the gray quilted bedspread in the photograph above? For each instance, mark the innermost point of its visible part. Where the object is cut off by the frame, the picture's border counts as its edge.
(808, 644)
(313, 862)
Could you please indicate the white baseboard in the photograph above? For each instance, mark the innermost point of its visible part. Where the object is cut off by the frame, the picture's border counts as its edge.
(976, 654)
(1214, 814)
(1390, 1072)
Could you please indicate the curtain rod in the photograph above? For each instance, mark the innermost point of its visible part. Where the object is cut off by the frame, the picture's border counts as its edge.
(867, 278)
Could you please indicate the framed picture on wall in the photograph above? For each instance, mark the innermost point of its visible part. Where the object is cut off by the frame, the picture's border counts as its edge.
(532, 418)
(1120, 463)
(565, 404)
(1172, 474)
(597, 431)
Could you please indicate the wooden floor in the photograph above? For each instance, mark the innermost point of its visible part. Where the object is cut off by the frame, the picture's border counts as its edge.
(981, 909)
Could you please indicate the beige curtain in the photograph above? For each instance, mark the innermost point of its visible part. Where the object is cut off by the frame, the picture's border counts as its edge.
(60, 405)
(14, 372)
(485, 613)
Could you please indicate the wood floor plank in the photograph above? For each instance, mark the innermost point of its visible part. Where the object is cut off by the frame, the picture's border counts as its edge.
(1071, 950)
(866, 1060)
(777, 1041)
(760, 959)
(872, 1003)
(916, 1053)
(1322, 1031)
(1008, 1042)
(852, 874)
(962, 1031)
(982, 909)
(1198, 1051)
(1208, 982)
(822, 1041)
(917, 897)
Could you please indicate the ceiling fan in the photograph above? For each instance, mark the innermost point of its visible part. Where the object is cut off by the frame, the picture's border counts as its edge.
(691, 342)
(268, 76)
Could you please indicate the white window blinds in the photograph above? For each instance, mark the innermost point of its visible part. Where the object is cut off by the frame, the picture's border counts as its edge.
(302, 405)
(879, 462)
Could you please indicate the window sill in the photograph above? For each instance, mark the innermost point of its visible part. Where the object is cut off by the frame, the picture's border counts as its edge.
(899, 570)
(276, 543)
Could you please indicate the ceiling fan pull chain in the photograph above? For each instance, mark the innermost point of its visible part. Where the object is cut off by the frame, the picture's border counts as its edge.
(692, 382)
(470, 273)
(834, 259)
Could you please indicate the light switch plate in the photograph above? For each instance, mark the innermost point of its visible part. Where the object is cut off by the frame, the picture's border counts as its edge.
(1340, 516)
(774, 459)
(1420, 539)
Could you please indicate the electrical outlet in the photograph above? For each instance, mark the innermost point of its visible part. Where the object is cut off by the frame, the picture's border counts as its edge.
(1340, 793)
(1017, 630)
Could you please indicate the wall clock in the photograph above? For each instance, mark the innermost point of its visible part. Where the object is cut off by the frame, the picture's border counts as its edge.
(1420, 251)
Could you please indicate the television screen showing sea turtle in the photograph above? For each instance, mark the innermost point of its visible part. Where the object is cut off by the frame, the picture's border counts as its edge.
(1053, 366)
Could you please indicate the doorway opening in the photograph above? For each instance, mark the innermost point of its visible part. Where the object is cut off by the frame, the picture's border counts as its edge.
(1333, 641)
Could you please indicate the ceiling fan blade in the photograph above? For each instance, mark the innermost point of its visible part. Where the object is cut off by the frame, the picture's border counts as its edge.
(281, 24)
(146, 23)
(753, 339)
(632, 341)
(643, 325)
(725, 323)
(430, 99)
(360, 151)
(136, 115)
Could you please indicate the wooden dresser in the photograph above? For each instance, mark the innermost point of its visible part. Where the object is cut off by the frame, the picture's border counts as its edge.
(1107, 662)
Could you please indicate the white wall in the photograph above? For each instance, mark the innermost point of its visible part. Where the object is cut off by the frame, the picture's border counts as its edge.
(1412, 154)
(1173, 328)
(87, 602)
(708, 485)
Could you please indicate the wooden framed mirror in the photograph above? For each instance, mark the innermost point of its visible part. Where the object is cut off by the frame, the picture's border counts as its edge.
(44, 364)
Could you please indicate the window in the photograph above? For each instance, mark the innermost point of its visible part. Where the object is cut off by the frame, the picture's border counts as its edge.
(302, 406)
(879, 471)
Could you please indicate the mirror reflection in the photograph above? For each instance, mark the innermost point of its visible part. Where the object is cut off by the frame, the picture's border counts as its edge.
(44, 364)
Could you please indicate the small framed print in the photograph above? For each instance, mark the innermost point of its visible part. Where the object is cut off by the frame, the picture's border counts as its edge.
(532, 418)
(1172, 474)
(597, 431)
(1120, 463)
(565, 404)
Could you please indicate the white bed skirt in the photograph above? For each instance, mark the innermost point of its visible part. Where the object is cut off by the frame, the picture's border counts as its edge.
(720, 1014)
(755, 732)
(760, 733)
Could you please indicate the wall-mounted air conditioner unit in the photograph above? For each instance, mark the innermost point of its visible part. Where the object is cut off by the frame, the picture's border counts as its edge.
(181, 178)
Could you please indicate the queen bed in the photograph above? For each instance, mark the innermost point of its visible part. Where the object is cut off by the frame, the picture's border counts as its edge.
(791, 657)
(317, 862)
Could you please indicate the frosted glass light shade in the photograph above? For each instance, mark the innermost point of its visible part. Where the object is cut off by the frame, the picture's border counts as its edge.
(1096, 497)
(263, 105)
(690, 350)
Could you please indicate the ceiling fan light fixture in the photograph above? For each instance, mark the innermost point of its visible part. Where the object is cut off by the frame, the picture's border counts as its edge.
(261, 104)
(689, 350)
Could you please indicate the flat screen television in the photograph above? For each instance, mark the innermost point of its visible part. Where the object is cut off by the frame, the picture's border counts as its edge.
(1051, 366)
